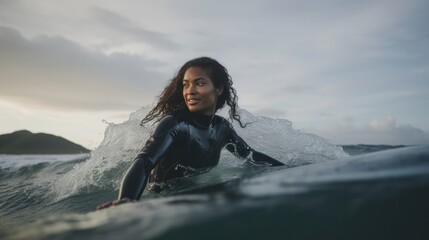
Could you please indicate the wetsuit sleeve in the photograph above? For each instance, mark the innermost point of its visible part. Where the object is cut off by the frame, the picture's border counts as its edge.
(239, 147)
(236, 145)
(135, 179)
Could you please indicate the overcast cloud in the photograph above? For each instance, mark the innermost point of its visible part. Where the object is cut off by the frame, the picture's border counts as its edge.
(315, 63)
(54, 72)
(378, 131)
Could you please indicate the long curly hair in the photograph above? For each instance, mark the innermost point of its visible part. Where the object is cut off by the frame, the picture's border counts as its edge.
(171, 100)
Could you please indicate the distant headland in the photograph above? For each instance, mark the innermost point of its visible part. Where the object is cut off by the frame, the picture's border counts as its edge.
(26, 142)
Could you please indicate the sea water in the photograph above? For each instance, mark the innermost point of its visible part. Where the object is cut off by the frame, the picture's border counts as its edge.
(321, 192)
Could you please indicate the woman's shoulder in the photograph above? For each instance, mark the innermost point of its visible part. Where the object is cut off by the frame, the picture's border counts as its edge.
(165, 124)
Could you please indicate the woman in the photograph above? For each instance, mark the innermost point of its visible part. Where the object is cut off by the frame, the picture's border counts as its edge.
(189, 135)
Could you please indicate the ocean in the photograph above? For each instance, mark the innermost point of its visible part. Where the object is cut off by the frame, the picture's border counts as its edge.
(324, 191)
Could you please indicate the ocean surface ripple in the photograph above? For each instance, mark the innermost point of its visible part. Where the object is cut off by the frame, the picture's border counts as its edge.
(321, 193)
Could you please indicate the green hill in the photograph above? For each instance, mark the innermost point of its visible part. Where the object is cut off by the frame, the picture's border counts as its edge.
(25, 142)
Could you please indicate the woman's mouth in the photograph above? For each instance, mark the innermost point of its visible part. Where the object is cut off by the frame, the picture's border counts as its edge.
(193, 101)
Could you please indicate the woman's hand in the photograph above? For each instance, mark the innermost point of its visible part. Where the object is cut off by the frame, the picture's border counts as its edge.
(260, 157)
(113, 203)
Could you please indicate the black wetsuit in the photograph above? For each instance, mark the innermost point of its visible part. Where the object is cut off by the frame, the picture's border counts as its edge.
(176, 146)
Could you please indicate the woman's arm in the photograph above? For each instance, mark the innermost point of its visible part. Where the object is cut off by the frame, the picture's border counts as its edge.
(135, 179)
(133, 183)
(260, 157)
(239, 147)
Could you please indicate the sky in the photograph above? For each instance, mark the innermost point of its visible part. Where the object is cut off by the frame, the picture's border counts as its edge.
(353, 72)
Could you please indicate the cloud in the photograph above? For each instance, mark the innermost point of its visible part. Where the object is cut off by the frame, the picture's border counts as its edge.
(126, 28)
(298, 89)
(386, 124)
(319, 61)
(57, 73)
(377, 131)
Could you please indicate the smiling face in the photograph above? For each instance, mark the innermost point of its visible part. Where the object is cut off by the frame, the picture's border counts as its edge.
(199, 93)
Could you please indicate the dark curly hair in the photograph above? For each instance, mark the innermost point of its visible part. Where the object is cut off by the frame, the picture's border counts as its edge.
(171, 100)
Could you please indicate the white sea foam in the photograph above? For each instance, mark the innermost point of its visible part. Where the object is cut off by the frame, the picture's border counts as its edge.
(122, 142)
(277, 138)
(120, 145)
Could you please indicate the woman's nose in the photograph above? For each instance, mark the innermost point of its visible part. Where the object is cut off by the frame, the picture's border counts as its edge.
(190, 90)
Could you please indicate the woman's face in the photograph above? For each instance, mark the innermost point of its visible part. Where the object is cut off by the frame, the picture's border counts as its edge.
(199, 93)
